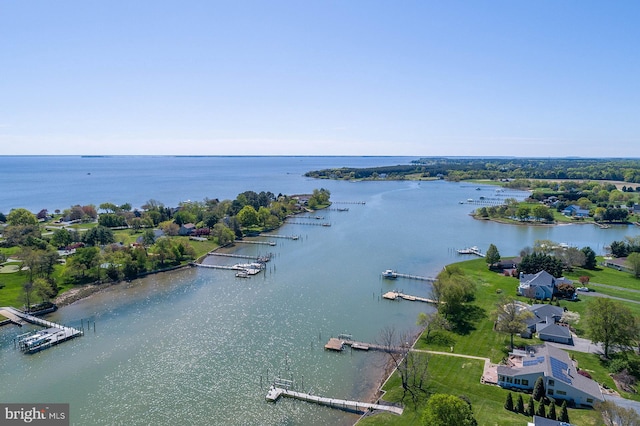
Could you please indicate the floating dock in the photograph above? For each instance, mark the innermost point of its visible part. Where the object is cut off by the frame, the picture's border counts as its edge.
(342, 404)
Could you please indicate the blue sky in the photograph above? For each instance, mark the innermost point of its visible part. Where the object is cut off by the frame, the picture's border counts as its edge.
(518, 78)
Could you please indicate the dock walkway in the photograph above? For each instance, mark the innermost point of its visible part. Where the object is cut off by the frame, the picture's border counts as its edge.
(342, 404)
(392, 275)
(34, 342)
(394, 295)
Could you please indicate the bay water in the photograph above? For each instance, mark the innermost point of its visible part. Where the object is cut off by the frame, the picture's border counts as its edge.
(200, 346)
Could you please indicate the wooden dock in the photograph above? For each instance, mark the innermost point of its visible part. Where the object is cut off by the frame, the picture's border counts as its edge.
(471, 250)
(40, 340)
(394, 295)
(264, 258)
(391, 274)
(296, 222)
(338, 344)
(289, 237)
(266, 243)
(248, 268)
(341, 404)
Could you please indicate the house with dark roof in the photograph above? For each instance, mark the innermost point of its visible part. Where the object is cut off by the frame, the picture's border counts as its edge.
(544, 323)
(575, 211)
(560, 375)
(541, 286)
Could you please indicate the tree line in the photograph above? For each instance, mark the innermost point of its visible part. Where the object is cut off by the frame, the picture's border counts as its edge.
(95, 254)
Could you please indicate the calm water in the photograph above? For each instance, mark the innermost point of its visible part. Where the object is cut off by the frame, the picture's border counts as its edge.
(193, 346)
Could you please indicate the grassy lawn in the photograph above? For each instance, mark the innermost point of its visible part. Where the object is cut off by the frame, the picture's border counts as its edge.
(459, 376)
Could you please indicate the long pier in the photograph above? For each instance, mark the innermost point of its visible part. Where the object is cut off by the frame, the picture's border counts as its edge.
(250, 269)
(394, 295)
(34, 342)
(389, 274)
(264, 258)
(295, 222)
(266, 243)
(289, 237)
(337, 344)
(342, 404)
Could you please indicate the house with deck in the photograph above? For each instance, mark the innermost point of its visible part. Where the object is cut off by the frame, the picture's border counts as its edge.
(560, 375)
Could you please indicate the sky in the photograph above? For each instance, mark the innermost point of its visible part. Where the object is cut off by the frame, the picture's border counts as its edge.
(543, 78)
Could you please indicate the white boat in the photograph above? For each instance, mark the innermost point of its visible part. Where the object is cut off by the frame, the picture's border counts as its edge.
(390, 274)
(242, 274)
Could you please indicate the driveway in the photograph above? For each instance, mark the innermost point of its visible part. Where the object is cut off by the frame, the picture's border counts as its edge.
(624, 403)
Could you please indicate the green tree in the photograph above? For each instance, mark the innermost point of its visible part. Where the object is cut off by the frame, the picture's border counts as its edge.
(633, 263)
(21, 217)
(44, 289)
(538, 389)
(452, 289)
(611, 323)
(26, 295)
(531, 407)
(510, 317)
(223, 234)
(61, 238)
(564, 413)
(589, 258)
(523, 212)
(247, 216)
(508, 404)
(492, 256)
(542, 213)
(163, 250)
(447, 410)
(431, 322)
(552, 411)
(540, 411)
(100, 235)
(83, 263)
(519, 408)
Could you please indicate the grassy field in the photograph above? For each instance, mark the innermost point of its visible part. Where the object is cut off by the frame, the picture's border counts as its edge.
(459, 376)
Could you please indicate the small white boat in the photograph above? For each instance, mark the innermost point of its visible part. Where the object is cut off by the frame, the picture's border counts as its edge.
(390, 274)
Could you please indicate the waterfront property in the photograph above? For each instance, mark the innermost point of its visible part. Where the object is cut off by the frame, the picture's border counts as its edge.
(545, 323)
(560, 375)
(541, 286)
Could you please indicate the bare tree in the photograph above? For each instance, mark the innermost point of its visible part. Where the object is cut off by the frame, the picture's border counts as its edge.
(411, 366)
(614, 415)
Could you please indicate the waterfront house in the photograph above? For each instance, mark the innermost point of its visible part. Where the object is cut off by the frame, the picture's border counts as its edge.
(541, 286)
(186, 229)
(543, 421)
(619, 263)
(544, 323)
(560, 375)
(575, 211)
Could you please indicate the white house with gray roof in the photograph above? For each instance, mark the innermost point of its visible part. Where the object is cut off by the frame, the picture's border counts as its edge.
(561, 378)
